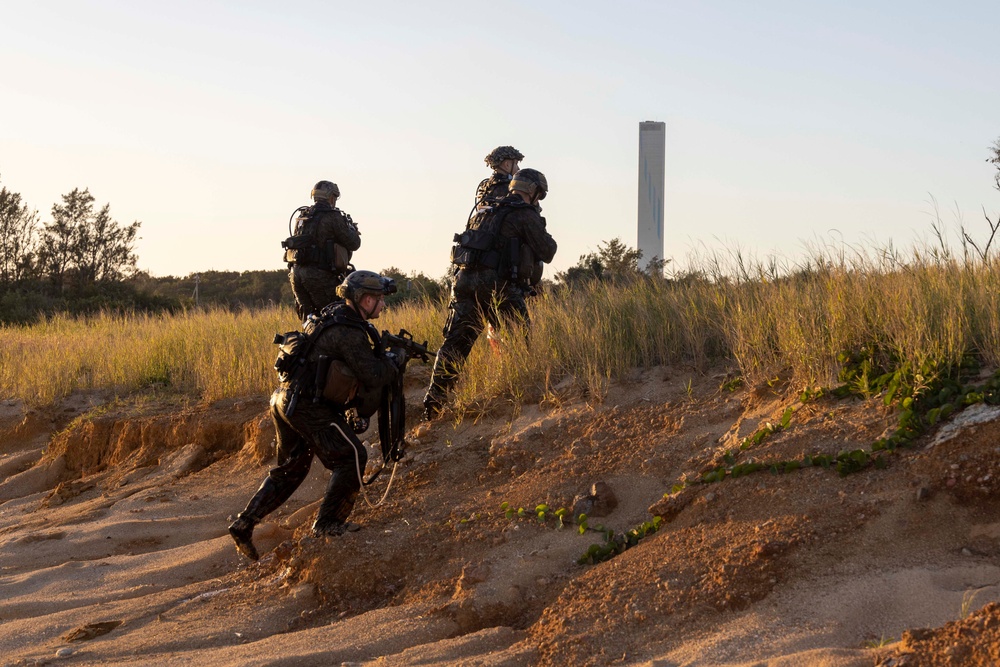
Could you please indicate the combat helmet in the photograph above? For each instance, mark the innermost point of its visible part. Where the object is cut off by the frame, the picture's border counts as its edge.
(359, 283)
(501, 153)
(530, 181)
(324, 190)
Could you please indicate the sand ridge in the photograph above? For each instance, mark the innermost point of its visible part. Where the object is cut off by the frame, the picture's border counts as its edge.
(113, 543)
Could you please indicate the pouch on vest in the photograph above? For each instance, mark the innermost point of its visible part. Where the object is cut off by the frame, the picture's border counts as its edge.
(474, 248)
(290, 359)
(340, 385)
(463, 257)
(341, 258)
(535, 277)
(529, 270)
(300, 250)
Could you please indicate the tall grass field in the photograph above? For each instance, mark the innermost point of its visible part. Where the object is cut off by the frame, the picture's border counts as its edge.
(925, 312)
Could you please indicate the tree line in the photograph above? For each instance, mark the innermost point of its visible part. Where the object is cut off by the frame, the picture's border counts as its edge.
(78, 260)
(80, 246)
(81, 260)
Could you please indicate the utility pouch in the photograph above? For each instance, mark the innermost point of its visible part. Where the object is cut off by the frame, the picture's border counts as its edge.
(334, 257)
(474, 248)
(463, 257)
(340, 384)
(529, 270)
(474, 239)
(288, 360)
(297, 242)
(299, 250)
(536, 273)
(341, 258)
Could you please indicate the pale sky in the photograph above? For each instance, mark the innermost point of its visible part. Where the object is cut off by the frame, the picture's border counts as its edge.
(786, 122)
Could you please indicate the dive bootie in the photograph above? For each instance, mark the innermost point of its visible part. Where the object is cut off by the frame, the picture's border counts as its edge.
(242, 533)
(432, 408)
(334, 528)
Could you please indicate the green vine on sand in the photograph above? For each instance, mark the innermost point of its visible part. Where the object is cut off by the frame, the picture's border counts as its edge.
(614, 543)
(924, 398)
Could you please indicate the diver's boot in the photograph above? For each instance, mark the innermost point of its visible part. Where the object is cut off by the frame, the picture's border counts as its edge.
(334, 528)
(242, 532)
(432, 408)
(331, 519)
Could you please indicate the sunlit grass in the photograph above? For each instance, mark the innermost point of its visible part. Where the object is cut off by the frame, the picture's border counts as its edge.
(926, 310)
(211, 354)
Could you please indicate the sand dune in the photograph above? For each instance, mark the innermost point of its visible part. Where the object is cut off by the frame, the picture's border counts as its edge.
(113, 543)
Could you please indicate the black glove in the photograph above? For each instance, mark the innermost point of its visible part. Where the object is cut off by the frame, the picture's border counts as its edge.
(395, 358)
(357, 423)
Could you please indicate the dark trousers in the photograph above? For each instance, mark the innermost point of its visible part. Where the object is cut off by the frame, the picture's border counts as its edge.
(469, 312)
(313, 288)
(313, 429)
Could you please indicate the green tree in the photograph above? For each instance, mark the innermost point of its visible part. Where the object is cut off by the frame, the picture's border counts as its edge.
(231, 289)
(613, 262)
(18, 235)
(414, 286)
(86, 244)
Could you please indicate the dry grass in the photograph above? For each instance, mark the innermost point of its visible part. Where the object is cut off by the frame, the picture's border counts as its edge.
(926, 311)
(210, 354)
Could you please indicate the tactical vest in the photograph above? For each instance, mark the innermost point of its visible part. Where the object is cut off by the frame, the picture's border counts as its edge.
(482, 246)
(302, 248)
(323, 378)
(491, 191)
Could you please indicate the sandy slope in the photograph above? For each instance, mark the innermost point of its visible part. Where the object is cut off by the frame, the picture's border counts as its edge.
(113, 546)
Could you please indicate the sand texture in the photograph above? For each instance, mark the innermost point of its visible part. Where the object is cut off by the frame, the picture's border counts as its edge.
(114, 550)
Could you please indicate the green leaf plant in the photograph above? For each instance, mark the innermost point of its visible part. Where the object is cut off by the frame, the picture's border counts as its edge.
(613, 543)
(924, 398)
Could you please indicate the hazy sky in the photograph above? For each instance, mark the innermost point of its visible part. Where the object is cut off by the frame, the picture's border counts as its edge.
(787, 122)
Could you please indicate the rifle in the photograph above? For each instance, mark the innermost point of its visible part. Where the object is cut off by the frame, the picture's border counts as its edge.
(392, 411)
(405, 348)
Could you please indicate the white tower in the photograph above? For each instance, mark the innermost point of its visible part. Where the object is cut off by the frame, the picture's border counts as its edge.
(652, 146)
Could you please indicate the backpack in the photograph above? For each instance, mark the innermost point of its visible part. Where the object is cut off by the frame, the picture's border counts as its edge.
(302, 249)
(481, 246)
